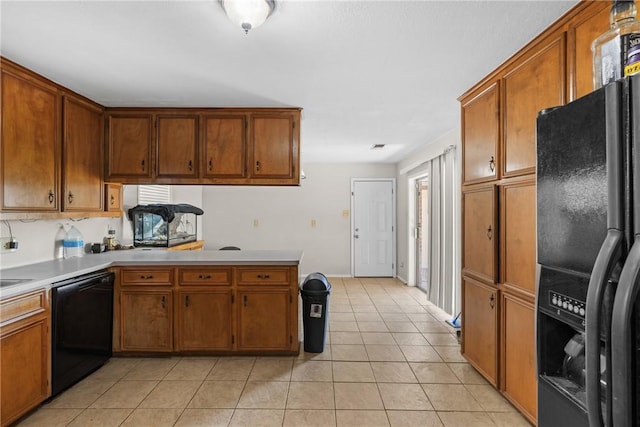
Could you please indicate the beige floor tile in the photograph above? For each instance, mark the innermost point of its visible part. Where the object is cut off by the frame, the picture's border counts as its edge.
(466, 419)
(339, 308)
(264, 395)
(343, 317)
(441, 339)
(364, 308)
(388, 308)
(125, 394)
(372, 327)
(352, 372)
(395, 317)
(450, 397)
(393, 372)
(350, 352)
(384, 353)
(309, 418)
(337, 326)
(310, 395)
(409, 338)
(509, 419)
(346, 338)
(489, 398)
(404, 397)
(412, 309)
(83, 394)
(357, 396)
(205, 418)
(306, 370)
(368, 317)
(152, 418)
(152, 369)
(190, 369)
(217, 394)
(232, 369)
(257, 418)
(100, 418)
(421, 317)
(414, 419)
(325, 355)
(466, 373)
(383, 338)
(50, 417)
(401, 327)
(350, 418)
(116, 368)
(436, 327)
(360, 300)
(420, 353)
(272, 369)
(449, 353)
(434, 372)
(171, 394)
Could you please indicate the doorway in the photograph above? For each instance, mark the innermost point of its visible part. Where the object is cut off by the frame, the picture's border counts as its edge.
(373, 227)
(422, 233)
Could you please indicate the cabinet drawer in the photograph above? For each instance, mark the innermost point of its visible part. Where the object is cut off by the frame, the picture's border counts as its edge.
(204, 276)
(148, 277)
(258, 276)
(22, 305)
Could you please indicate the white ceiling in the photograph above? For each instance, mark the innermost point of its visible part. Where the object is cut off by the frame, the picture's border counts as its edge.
(364, 72)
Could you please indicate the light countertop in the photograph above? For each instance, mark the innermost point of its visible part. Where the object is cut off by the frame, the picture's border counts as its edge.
(44, 274)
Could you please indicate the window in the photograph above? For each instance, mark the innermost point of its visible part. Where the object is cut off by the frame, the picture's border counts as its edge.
(151, 194)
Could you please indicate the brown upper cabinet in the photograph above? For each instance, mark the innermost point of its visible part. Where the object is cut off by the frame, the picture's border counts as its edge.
(533, 83)
(224, 146)
(129, 137)
(275, 146)
(481, 134)
(177, 146)
(31, 144)
(82, 156)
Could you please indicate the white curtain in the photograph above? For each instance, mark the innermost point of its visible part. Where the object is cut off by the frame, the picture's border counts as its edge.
(441, 290)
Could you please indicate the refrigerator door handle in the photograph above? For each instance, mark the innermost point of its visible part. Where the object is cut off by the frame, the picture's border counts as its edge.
(608, 257)
(622, 340)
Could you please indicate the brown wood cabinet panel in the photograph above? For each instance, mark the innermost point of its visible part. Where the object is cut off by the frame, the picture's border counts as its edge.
(480, 234)
(263, 275)
(148, 276)
(130, 145)
(518, 235)
(24, 367)
(263, 320)
(480, 327)
(82, 149)
(274, 146)
(204, 276)
(146, 320)
(113, 197)
(582, 31)
(532, 84)
(22, 305)
(177, 146)
(224, 146)
(30, 156)
(518, 367)
(481, 136)
(205, 320)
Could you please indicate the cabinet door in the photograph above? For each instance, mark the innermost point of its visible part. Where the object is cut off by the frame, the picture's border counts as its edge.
(518, 235)
(264, 319)
(129, 146)
(83, 153)
(589, 25)
(30, 166)
(275, 146)
(224, 147)
(204, 319)
(535, 83)
(479, 242)
(480, 327)
(113, 197)
(177, 146)
(518, 372)
(145, 320)
(24, 368)
(481, 136)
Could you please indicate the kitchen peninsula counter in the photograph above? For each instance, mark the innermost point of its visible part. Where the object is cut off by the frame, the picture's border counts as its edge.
(44, 274)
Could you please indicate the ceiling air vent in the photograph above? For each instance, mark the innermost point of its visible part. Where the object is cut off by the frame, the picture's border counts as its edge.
(377, 146)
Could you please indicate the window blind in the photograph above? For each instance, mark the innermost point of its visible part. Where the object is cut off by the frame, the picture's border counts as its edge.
(151, 194)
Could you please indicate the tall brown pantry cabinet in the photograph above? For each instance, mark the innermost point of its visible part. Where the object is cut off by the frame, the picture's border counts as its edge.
(498, 119)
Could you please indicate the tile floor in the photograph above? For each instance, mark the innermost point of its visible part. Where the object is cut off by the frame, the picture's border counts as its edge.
(389, 360)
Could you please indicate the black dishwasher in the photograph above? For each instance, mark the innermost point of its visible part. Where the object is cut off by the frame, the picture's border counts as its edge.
(82, 327)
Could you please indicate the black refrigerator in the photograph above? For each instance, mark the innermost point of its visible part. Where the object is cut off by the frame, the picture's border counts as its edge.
(588, 237)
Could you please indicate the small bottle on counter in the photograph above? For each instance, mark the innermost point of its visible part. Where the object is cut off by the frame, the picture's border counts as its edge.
(110, 240)
(616, 53)
(73, 243)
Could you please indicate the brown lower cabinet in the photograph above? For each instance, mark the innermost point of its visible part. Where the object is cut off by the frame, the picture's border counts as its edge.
(24, 354)
(261, 323)
(146, 320)
(204, 319)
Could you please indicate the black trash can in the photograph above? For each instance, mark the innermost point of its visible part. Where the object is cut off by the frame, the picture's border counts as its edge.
(315, 290)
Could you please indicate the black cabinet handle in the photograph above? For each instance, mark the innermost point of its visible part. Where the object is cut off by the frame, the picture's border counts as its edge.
(70, 198)
(186, 301)
(51, 196)
(263, 276)
(210, 165)
(204, 276)
(112, 200)
(164, 301)
(245, 300)
(258, 166)
(489, 232)
(190, 165)
(492, 164)
(146, 277)
(492, 300)
(142, 165)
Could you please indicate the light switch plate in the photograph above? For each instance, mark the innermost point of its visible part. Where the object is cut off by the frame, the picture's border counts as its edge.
(4, 244)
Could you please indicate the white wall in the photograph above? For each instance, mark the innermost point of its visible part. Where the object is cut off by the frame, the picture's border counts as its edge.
(284, 215)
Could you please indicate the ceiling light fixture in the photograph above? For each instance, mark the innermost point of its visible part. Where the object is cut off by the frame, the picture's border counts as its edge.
(248, 14)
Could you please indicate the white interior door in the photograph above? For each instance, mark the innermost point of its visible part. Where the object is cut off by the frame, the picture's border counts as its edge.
(373, 228)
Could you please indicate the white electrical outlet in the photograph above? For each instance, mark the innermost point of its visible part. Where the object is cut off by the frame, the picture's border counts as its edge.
(6, 244)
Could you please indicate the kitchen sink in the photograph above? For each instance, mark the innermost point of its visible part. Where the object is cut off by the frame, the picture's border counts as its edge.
(9, 282)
